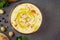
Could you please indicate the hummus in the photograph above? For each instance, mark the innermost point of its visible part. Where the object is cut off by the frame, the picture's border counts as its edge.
(26, 18)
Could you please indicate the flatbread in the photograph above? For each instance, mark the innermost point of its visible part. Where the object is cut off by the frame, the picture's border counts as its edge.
(26, 18)
(3, 37)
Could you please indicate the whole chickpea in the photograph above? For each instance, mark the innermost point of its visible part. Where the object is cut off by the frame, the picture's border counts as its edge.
(3, 29)
(11, 33)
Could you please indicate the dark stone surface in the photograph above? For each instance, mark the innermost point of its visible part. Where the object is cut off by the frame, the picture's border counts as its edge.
(0, 0)
(50, 28)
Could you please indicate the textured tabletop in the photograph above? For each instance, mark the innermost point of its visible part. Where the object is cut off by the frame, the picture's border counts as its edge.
(50, 28)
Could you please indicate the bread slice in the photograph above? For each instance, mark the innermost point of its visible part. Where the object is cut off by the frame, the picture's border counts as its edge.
(3, 37)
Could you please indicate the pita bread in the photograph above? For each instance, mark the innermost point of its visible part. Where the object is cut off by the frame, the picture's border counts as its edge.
(26, 18)
(3, 37)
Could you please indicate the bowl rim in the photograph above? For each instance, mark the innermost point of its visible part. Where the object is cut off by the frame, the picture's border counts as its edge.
(25, 3)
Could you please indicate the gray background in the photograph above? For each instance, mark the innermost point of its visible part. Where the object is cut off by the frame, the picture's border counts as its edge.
(50, 28)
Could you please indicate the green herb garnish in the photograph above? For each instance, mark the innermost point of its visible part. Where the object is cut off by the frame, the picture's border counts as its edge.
(4, 3)
(24, 38)
(21, 38)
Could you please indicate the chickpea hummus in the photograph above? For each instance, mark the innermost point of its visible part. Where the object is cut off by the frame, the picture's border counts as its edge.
(26, 18)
